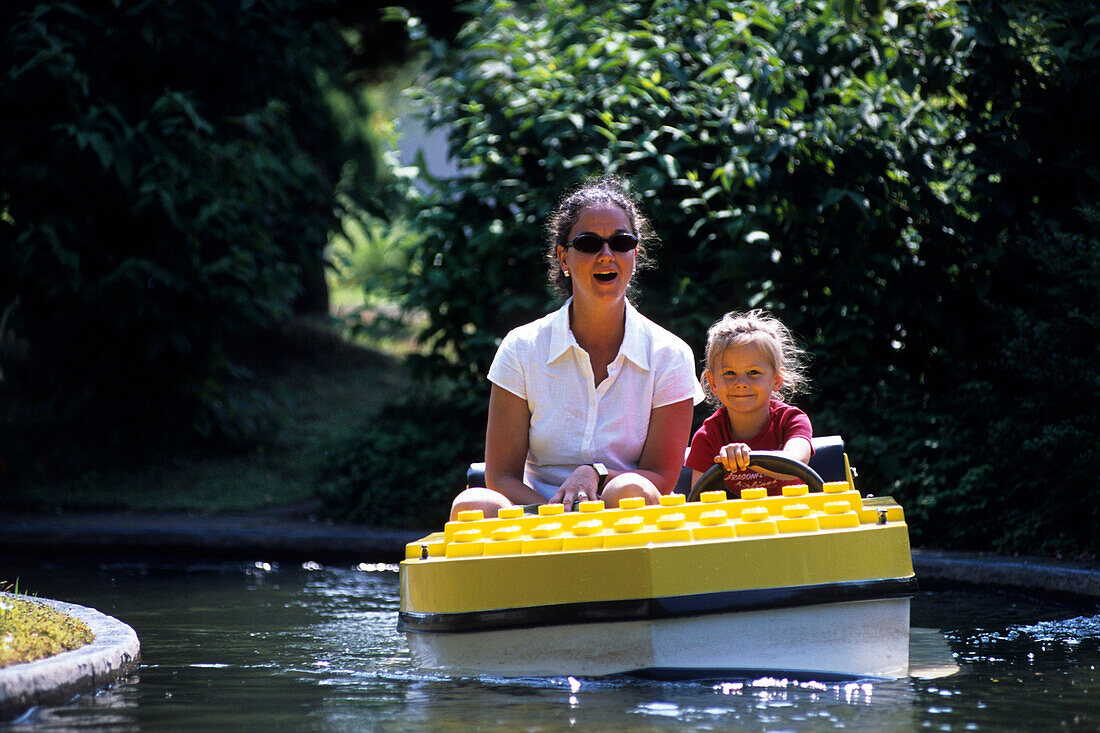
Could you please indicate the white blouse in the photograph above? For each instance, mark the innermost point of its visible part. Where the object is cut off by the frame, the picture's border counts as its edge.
(573, 421)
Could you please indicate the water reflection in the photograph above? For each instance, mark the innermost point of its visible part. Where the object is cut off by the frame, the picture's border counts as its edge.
(306, 647)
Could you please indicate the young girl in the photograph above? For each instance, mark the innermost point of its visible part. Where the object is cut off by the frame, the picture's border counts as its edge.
(751, 360)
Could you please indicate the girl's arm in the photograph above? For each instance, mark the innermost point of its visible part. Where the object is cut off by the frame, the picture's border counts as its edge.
(695, 476)
(797, 448)
(506, 438)
(735, 457)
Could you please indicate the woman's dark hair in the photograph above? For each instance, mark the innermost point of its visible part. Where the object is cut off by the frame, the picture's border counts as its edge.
(594, 191)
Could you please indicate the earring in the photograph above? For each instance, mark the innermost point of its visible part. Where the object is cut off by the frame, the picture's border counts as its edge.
(565, 272)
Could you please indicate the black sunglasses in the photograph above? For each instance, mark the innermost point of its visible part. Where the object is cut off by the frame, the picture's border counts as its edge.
(590, 243)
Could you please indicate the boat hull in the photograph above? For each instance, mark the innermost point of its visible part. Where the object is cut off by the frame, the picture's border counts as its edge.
(861, 639)
(806, 584)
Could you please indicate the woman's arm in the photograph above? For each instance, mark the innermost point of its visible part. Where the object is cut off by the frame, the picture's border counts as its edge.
(663, 453)
(506, 438)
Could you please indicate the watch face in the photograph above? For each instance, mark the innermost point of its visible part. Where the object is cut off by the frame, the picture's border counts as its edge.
(601, 473)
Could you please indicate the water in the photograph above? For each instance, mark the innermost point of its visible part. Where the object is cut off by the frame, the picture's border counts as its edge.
(310, 648)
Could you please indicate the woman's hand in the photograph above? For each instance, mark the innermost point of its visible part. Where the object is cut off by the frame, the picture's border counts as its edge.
(581, 485)
(733, 457)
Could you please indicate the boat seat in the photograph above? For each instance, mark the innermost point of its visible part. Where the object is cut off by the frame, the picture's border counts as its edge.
(827, 460)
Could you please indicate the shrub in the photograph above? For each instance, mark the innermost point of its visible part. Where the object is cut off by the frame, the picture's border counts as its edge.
(404, 466)
(787, 159)
(166, 188)
(1016, 448)
(1015, 429)
(891, 187)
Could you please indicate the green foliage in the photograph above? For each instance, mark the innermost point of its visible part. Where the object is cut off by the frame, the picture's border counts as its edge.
(403, 468)
(166, 187)
(34, 630)
(787, 159)
(1016, 448)
(908, 185)
(1019, 442)
(766, 139)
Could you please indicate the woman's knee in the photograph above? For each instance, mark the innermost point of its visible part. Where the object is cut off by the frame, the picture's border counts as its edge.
(629, 485)
(487, 500)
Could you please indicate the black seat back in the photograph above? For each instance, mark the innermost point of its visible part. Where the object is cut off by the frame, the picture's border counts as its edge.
(828, 458)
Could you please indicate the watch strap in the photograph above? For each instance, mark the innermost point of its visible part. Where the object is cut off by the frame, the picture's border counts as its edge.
(601, 476)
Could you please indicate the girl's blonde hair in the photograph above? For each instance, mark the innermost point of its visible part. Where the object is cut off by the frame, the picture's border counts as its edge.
(768, 333)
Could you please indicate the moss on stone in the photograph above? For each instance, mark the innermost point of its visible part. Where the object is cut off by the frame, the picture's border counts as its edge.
(31, 630)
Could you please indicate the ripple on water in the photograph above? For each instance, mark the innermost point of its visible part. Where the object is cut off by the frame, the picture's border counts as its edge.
(290, 646)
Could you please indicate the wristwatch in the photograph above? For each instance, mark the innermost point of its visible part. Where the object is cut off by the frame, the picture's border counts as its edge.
(601, 476)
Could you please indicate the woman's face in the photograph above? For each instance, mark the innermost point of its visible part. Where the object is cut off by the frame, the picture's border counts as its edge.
(604, 275)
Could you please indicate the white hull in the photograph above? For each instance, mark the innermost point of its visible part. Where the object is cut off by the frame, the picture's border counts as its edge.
(852, 639)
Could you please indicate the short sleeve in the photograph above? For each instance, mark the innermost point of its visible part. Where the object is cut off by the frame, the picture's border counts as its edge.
(676, 381)
(506, 371)
(796, 424)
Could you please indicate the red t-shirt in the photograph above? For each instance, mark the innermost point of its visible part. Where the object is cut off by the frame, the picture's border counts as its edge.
(784, 422)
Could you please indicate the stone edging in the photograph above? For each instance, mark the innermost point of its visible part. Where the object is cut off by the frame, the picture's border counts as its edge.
(113, 654)
(1074, 580)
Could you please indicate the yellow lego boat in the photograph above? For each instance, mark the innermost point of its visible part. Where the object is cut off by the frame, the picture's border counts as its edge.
(814, 583)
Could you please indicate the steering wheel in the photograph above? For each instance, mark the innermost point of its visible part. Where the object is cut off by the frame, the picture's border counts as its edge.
(714, 477)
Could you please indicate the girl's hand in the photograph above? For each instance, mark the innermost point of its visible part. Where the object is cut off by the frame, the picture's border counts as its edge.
(733, 457)
(580, 486)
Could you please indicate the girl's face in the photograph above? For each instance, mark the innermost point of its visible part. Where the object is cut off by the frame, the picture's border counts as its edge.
(744, 379)
(604, 275)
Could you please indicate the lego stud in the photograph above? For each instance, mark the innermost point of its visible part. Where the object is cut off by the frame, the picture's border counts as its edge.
(511, 532)
(545, 531)
(794, 511)
(795, 490)
(754, 514)
(670, 521)
(587, 528)
(628, 524)
(713, 517)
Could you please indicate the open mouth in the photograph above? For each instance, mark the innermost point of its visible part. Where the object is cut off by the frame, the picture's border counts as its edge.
(606, 277)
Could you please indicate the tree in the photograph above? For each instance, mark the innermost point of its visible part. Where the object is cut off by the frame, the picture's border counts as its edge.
(909, 186)
(787, 159)
(168, 182)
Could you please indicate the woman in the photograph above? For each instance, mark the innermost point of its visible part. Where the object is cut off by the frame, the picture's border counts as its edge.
(593, 400)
